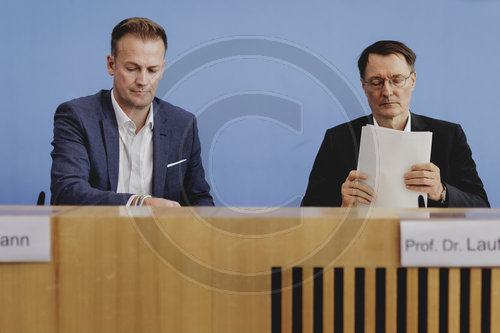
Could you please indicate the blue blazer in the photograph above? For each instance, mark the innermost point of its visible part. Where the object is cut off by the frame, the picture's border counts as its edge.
(338, 155)
(85, 158)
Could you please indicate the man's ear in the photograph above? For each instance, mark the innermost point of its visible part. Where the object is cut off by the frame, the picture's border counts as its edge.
(362, 84)
(413, 79)
(163, 68)
(111, 64)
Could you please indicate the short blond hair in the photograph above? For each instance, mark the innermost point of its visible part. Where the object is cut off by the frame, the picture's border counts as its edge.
(138, 26)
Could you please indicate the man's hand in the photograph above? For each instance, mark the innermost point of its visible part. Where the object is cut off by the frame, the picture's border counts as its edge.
(354, 190)
(160, 202)
(425, 177)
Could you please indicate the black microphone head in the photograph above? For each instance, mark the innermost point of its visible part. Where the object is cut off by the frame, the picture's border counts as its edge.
(421, 201)
(41, 199)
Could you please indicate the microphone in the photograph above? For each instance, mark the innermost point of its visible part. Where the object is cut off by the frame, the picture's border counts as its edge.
(41, 199)
(421, 202)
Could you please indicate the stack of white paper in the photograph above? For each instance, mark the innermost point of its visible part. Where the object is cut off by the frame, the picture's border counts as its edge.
(385, 155)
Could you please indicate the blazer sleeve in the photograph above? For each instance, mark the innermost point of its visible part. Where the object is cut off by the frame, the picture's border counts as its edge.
(464, 187)
(71, 165)
(195, 189)
(323, 188)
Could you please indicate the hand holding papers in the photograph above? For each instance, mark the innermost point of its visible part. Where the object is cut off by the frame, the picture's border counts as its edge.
(385, 155)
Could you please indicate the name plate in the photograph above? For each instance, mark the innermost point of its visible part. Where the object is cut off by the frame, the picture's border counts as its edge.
(24, 238)
(450, 243)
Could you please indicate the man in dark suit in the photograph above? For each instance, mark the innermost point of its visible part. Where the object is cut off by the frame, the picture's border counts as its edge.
(388, 78)
(125, 146)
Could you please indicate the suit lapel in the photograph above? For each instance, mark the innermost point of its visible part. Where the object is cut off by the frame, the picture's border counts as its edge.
(161, 145)
(418, 124)
(356, 130)
(109, 128)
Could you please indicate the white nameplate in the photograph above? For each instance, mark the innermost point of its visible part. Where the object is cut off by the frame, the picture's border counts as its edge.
(24, 238)
(450, 243)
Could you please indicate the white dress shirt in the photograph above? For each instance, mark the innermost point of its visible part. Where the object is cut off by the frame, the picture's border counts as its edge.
(135, 170)
(407, 126)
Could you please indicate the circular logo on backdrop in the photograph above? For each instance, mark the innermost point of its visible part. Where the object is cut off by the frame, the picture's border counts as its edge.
(282, 110)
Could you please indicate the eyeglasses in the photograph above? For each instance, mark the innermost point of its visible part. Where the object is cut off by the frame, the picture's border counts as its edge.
(398, 81)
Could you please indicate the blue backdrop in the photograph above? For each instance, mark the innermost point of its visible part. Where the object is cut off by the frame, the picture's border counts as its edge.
(265, 78)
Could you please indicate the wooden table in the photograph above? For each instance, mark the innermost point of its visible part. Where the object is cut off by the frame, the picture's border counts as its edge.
(116, 269)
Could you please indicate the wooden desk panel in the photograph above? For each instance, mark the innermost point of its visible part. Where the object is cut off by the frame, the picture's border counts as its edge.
(209, 270)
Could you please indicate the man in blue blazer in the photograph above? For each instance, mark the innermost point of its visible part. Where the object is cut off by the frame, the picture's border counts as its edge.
(388, 77)
(125, 146)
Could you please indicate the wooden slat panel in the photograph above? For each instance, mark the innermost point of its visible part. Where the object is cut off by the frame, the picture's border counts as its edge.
(433, 300)
(307, 299)
(475, 300)
(328, 278)
(454, 301)
(391, 300)
(370, 300)
(495, 300)
(349, 299)
(412, 301)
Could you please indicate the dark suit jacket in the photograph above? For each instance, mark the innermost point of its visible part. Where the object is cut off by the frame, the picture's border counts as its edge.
(338, 155)
(85, 158)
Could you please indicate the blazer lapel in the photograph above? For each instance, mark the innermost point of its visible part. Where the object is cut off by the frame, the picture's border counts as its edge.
(109, 128)
(417, 123)
(356, 130)
(161, 145)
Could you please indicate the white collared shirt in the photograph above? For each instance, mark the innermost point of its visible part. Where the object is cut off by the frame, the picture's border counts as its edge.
(135, 172)
(407, 126)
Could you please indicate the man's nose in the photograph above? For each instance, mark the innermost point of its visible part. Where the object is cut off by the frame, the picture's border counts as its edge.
(142, 77)
(387, 88)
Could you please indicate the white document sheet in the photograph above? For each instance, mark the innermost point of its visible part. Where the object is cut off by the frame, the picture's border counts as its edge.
(385, 155)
